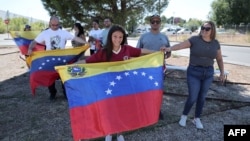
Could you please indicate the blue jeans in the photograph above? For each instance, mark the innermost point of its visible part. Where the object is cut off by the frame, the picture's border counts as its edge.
(199, 80)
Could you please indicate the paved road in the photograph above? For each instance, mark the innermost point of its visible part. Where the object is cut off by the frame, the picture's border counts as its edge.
(231, 54)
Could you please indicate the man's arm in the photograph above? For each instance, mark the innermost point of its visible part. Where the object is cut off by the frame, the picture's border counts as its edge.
(31, 46)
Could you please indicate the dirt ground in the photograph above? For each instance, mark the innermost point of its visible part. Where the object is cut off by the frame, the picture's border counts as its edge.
(34, 118)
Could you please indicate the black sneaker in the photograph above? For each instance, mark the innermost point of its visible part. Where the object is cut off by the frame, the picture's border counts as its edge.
(161, 117)
(52, 96)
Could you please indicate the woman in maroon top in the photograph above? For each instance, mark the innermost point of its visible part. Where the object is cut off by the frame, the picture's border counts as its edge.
(116, 50)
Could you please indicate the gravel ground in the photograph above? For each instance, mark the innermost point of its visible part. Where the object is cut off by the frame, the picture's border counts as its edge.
(34, 118)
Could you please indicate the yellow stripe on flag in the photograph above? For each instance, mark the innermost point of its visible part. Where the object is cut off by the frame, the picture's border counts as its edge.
(31, 35)
(66, 51)
(151, 60)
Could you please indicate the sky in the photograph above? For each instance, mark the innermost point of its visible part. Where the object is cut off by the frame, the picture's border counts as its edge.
(187, 9)
(184, 9)
(29, 8)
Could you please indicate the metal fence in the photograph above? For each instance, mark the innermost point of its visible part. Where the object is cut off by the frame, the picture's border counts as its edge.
(242, 29)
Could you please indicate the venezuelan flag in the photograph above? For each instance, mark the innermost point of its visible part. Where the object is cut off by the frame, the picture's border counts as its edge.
(113, 97)
(24, 38)
(42, 64)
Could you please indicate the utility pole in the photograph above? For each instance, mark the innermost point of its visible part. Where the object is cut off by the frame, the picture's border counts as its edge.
(7, 21)
(173, 18)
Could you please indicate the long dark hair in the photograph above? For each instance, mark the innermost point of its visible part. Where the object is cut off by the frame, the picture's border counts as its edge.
(109, 45)
(80, 28)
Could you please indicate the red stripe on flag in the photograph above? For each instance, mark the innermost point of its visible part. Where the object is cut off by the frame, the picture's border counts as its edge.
(116, 115)
(42, 78)
(24, 49)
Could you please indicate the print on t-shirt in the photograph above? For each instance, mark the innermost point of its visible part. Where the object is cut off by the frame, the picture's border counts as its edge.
(55, 42)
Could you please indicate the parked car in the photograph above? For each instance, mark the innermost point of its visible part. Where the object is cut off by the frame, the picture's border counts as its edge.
(184, 31)
(168, 31)
(221, 31)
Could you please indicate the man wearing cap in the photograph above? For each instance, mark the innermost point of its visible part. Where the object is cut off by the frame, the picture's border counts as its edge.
(154, 40)
(27, 28)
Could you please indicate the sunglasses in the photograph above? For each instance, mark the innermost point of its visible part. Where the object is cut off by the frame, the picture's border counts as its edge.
(55, 25)
(157, 22)
(205, 28)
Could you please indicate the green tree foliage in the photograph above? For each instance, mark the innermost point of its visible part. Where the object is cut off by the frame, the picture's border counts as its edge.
(2, 26)
(230, 11)
(123, 12)
(18, 24)
(193, 24)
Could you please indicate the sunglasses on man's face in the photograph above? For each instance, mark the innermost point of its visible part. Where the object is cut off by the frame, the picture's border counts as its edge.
(205, 28)
(157, 22)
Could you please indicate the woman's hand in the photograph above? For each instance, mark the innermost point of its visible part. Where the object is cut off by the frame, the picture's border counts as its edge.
(222, 78)
(165, 49)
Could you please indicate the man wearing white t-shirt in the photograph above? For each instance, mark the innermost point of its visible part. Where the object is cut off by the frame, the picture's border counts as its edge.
(54, 38)
(95, 37)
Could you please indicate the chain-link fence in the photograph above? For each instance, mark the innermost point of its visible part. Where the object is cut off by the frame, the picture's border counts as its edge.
(242, 28)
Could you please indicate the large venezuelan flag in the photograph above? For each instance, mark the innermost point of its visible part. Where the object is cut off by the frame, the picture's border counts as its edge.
(113, 97)
(24, 38)
(42, 64)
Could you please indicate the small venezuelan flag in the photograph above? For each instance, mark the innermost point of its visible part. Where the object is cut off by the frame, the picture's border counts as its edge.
(42, 64)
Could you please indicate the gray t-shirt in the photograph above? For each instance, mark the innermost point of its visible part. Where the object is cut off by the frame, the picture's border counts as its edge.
(153, 41)
(105, 36)
(202, 53)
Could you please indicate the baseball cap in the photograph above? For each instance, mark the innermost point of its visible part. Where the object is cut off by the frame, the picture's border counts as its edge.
(27, 26)
(155, 17)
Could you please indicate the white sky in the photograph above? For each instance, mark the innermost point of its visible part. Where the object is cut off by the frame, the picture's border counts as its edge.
(29, 8)
(187, 9)
(184, 9)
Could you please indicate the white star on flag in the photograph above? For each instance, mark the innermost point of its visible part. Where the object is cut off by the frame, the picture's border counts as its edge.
(109, 92)
(119, 77)
(53, 59)
(126, 73)
(150, 77)
(143, 74)
(156, 84)
(112, 83)
(135, 72)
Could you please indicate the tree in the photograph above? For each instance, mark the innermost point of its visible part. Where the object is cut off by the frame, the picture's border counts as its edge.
(230, 11)
(123, 12)
(17, 24)
(193, 24)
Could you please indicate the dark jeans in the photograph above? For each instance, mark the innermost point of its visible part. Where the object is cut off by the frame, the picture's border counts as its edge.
(53, 91)
(199, 80)
(92, 52)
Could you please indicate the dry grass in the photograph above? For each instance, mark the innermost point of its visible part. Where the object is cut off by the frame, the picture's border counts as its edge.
(235, 39)
(34, 118)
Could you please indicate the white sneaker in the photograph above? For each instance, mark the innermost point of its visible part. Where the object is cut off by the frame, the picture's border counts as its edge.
(197, 123)
(120, 138)
(183, 121)
(108, 138)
